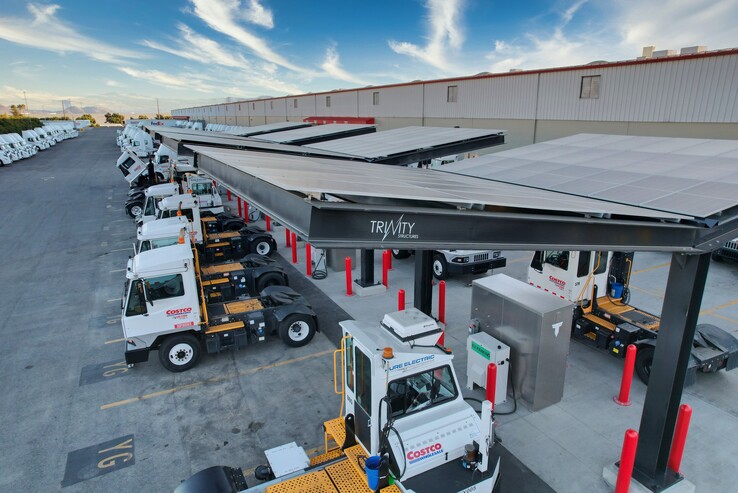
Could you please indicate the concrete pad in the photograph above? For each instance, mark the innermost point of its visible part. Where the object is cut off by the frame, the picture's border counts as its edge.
(610, 475)
(363, 291)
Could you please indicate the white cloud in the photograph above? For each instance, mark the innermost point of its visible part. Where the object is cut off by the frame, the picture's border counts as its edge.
(46, 31)
(178, 81)
(624, 27)
(220, 15)
(257, 14)
(674, 24)
(194, 46)
(332, 67)
(445, 34)
(112, 83)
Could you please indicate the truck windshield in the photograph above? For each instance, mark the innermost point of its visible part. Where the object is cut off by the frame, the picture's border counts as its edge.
(422, 390)
(202, 188)
(163, 287)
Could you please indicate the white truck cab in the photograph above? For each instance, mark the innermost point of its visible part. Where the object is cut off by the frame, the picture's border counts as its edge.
(401, 406)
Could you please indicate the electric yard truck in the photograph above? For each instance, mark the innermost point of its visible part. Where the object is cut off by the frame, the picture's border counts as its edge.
(597, 283)
(224, 281)
(165, 308)
(218, 238)
(403, 421)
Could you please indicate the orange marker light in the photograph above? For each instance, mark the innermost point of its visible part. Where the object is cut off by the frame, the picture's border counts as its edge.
(387, 353)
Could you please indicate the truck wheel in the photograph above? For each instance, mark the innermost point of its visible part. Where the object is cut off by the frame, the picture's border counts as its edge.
(263, 247)
(179, 352)
(297, 329)
(644, 359)
(440, 269)
(270, 279)
(160, 178)
(400, 254)
(134, 209)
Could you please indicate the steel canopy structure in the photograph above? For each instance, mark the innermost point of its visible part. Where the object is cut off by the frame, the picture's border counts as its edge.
(445, 210)
(318, 133)
(408, 145)
(340, 207)
(265, 129)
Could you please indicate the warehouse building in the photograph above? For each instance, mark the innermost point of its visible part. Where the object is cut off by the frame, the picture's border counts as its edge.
(662, 93)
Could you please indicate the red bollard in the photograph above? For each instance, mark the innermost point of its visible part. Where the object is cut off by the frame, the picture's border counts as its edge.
(349, 290)
(308, 260)
(680, 437)
(287, 237)
(389, 252)
(623, 398)
(229, 194)
(238, 199)
(385, 268)
(491, 384)
(442, 301)
(627, 458)
(245, 212)
(294, 248)
(401, 299)
(268, 223)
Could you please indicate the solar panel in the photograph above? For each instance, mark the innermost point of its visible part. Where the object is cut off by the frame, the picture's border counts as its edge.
(310, 175)
(693, 177)
(402, 140)
(304, 133)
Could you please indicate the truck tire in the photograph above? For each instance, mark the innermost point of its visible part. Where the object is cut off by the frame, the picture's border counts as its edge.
(400, 254)
(297, 329)
(269, 279)
(440, 269)
(263, 247)
(179, 352)
(134, 209)
(644, 359)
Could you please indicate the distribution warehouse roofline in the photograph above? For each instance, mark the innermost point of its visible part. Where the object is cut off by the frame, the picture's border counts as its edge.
(592, 66)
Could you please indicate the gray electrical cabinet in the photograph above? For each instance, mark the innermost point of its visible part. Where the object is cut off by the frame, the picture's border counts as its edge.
(536, 325)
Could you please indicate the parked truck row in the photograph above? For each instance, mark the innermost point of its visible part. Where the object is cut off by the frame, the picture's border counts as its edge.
(200, 280)
(14, 147)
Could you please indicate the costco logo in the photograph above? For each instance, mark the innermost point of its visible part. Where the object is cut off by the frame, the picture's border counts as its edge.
(179, 311)
(559, 283)
(424, 453)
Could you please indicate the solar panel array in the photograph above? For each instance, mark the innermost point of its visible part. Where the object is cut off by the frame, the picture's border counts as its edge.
(297, 134)
(356, 180)
(692, 177)
(402, 140)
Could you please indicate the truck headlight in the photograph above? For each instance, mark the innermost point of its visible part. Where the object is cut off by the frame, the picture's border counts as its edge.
(460, 260)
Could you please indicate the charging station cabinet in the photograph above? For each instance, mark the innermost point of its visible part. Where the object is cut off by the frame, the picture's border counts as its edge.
(483, 349)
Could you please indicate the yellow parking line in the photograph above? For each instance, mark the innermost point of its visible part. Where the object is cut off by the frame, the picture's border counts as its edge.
(727, 319)
(657, 294)
(720, 307)
(242, 373)
(651, 268)
(113, 341)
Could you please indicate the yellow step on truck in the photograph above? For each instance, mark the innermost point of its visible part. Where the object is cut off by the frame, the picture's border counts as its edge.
(403, 426)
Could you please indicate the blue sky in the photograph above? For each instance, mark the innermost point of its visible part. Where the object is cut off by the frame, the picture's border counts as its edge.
(123, 55)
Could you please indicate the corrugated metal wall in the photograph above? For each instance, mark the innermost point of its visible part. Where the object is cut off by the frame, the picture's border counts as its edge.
(695, 90)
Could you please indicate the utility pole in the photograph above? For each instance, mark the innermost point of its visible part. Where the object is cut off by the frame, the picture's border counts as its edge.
(28, 112)
(64, 111)
(157, 108)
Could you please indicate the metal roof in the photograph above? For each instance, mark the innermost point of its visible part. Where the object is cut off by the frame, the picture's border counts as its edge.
(383, 146)
(265, 129)
(317, 133)
(692, 177)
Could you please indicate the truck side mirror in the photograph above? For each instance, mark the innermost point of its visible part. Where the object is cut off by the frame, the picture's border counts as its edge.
(142, 287)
